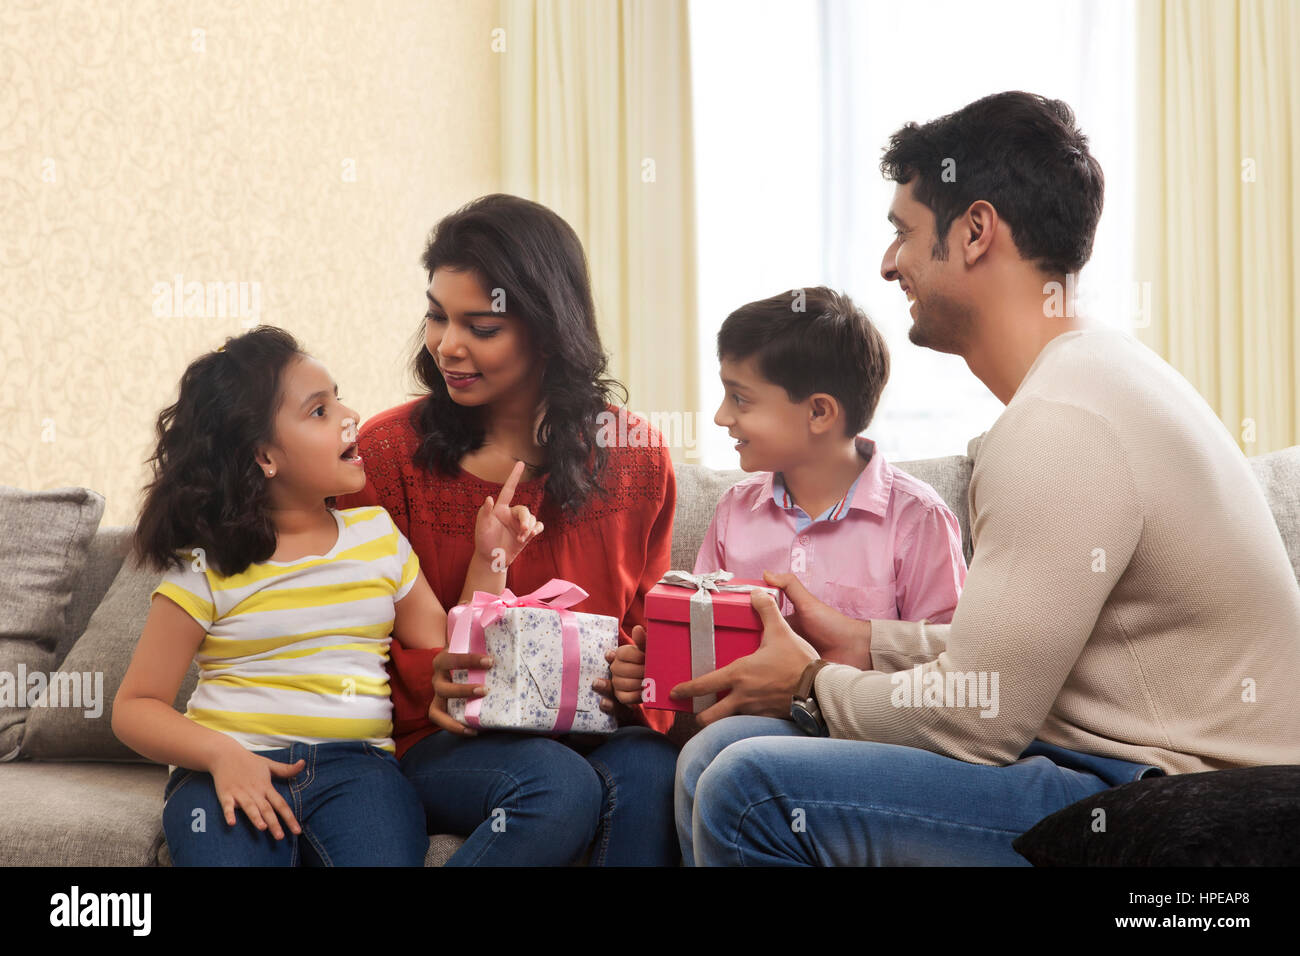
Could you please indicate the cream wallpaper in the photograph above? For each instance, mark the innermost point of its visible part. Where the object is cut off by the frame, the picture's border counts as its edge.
(290, 157)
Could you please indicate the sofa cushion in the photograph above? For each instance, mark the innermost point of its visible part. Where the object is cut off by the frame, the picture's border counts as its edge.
(107, 550)
(80, 814)
(104, 650)
(43, 550)
(1242, 817)
(1279, 474)
(698, 491)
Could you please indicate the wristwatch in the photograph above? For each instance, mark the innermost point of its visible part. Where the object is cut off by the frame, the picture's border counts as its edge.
(803, 704)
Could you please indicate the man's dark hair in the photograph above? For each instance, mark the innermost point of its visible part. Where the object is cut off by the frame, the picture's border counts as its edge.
(812, 340)
(1020, 152)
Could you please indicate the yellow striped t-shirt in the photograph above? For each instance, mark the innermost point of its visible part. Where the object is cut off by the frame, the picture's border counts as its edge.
(295, 650)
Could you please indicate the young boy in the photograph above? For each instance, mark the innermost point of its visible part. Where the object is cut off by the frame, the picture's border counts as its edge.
(803, 372)
(836, 523)
(825, 515)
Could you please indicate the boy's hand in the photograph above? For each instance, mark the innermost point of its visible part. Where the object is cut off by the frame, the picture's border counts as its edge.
(244, 778)
(837, 637)
(627, 672)
(500, 531)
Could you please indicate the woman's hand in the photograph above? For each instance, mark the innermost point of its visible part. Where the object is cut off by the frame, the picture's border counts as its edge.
(444, 688)
(244, 778)
(500, 531)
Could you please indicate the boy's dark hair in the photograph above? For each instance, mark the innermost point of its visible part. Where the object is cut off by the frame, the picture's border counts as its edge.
(1022, 153)
(829, 345)
(532, 254)
(208, 490)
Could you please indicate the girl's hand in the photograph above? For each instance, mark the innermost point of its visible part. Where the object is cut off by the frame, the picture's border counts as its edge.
(244, 778)
(444, 688)
(500, 531)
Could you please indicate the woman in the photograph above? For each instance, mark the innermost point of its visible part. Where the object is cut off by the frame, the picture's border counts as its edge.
(514, 371)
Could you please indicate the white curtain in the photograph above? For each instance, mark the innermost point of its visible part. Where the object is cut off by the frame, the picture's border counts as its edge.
(1219, 231)
(596, 124)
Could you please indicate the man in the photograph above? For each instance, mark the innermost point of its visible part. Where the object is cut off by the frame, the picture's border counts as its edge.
(1130, 609)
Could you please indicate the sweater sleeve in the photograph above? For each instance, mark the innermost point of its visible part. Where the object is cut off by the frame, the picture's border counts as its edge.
(898, 645)
(1058, 518)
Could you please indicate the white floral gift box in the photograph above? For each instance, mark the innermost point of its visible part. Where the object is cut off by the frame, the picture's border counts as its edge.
(545, 658)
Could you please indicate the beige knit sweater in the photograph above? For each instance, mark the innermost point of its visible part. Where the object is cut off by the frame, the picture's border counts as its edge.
(1130, 591)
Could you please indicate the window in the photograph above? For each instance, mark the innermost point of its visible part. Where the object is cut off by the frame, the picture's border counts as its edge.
(793, 103)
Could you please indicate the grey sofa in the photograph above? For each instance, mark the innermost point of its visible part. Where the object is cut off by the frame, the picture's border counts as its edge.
(75, 796)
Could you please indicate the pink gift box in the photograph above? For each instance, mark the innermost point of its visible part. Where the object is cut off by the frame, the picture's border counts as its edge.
(737, 631)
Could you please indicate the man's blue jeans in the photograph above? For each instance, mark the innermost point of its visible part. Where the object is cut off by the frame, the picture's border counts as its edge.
(351, 800)
(528, 800)
(757, 791)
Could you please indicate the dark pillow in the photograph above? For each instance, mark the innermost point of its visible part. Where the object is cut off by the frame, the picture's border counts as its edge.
(1243, 817)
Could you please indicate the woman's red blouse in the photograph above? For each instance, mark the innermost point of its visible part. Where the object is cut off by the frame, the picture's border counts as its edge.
(615, 548)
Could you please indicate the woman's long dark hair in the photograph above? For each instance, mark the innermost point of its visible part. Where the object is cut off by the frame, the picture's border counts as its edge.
(533, 255)
(208, 490)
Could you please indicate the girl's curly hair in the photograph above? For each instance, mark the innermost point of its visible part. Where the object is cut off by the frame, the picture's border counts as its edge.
(208, 491)
(532, 254)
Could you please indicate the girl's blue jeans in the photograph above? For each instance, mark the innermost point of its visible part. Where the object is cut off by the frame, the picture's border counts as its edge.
(757, 791)
(528, 800)
(351, 800)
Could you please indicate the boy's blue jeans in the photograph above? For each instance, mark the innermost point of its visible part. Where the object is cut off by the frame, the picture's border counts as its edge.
(757, 791)
(528, 800)
(351, 800)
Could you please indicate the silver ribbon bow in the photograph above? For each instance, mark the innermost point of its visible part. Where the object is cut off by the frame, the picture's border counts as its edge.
(703, 653)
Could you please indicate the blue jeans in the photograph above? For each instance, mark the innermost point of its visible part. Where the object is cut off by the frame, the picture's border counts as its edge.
(527, 800)
(351, 800)
(757, 791)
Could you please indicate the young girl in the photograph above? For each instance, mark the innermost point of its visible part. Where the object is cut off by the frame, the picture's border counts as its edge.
(289, 605)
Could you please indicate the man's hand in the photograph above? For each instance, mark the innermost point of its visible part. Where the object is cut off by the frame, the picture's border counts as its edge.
(760, 683)
(836, 636)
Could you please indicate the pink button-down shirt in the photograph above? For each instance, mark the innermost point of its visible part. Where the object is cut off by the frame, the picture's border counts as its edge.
(893, 554)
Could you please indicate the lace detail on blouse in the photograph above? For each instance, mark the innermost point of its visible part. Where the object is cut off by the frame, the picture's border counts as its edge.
(447, 505)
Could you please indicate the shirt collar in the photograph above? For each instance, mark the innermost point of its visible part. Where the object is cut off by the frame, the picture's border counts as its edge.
(872, 491)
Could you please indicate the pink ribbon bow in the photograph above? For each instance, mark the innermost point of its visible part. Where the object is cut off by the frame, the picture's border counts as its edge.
(485, 609)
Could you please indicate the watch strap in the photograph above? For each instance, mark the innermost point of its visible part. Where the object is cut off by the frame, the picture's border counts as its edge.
(804, 689)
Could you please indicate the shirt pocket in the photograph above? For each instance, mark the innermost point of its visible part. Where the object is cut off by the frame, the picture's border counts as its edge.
(876, 602)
